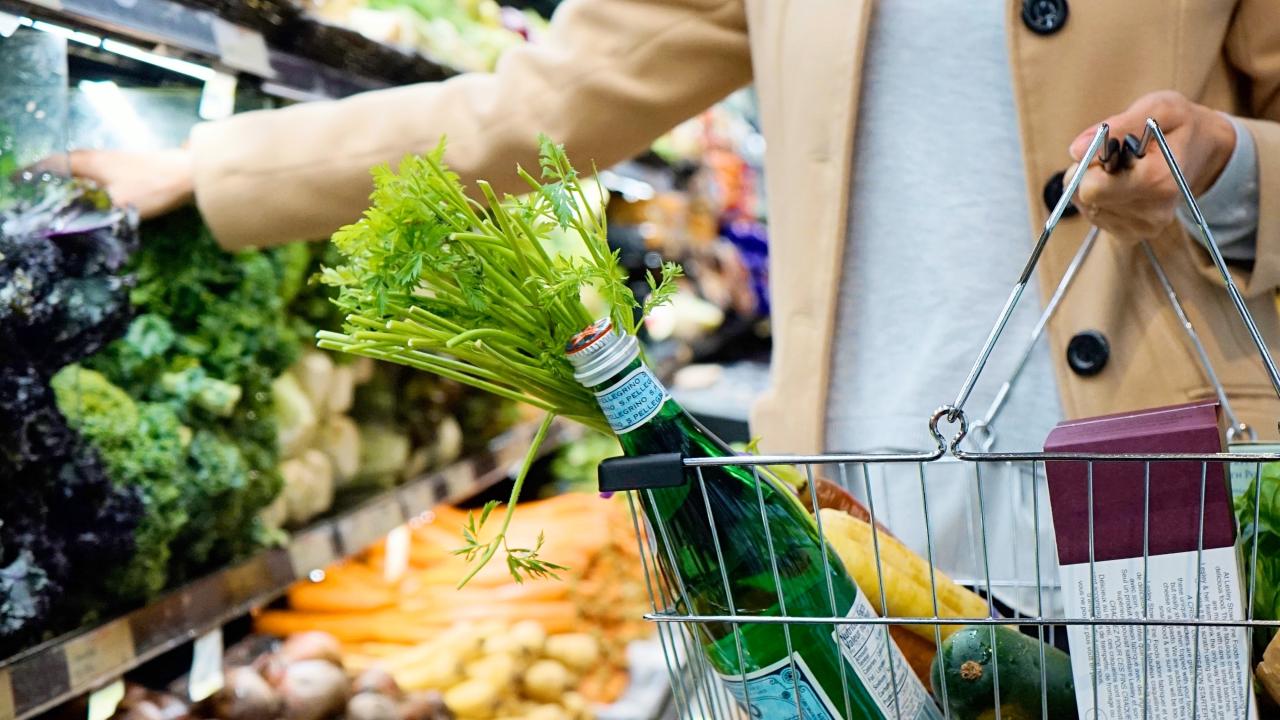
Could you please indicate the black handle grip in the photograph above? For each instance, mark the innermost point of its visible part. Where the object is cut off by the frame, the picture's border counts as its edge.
(664, 470)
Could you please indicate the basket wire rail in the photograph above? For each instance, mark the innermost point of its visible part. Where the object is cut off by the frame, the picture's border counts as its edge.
(1001, 490)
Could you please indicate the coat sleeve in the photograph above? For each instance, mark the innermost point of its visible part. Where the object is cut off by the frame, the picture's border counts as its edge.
(609, 77)
(1253, 49)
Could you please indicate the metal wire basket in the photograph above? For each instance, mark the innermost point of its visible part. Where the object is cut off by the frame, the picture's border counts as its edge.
(981, 518)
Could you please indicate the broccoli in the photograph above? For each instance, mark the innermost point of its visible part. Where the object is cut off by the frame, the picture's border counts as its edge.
(214, 499)
(211, 336)
(141, 445)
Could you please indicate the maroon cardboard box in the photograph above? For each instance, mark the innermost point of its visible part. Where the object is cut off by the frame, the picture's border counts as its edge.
(1118, 487)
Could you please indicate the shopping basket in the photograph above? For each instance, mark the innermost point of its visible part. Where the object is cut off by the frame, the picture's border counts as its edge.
(1132, 659)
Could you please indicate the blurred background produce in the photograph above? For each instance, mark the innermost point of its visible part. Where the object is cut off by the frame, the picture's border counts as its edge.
(465, 34)
(498, 648)
(169, 426)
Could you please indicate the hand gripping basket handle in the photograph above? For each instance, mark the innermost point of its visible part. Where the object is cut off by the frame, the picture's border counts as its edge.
(1107, 152)
(1121, 157)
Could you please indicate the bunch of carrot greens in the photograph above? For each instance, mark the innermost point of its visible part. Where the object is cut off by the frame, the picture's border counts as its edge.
(469, 290)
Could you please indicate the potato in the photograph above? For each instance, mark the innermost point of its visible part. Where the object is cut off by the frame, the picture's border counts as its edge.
(472, 699)
(313, 690)
(464, 641)
(546, 680)
(500, 669)
(435, 673)
(578, 651)
(502, 644)
(271, 667)
(372, 706)
(423, 705)
(245, 695)
(549, 711)
(377, 679)
(512, 705)
(576, 706)
(312, 645)
(530, 635)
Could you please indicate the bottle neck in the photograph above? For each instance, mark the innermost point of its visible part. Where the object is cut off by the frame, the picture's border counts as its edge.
(633, 398)
(638, 408)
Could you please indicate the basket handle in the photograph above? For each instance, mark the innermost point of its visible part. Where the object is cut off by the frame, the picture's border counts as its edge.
(1111, 154)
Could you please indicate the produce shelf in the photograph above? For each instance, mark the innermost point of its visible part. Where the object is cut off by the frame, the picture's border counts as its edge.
(331, 64)
(47, 675)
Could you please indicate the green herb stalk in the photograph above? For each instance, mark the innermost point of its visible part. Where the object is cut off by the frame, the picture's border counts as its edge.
(437, 280)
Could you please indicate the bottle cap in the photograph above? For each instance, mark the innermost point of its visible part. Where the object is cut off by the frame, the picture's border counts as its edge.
(599, 352)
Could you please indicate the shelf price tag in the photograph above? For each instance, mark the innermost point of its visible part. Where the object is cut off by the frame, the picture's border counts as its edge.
(206, 677)
(395, 560)
(98, 653)
(218, 97)
(311, 550)
(367, 525)
(104, 701)
(7, 706)
(242, 48)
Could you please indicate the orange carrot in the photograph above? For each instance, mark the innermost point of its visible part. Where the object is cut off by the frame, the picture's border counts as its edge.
(378, 626)
(339, 597)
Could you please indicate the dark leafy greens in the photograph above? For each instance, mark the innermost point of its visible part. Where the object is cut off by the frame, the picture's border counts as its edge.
(63, 295)
(211, 336)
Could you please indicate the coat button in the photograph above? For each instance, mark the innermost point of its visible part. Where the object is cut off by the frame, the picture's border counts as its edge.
(1044, 17)
(1087, 353)
(1053, 192)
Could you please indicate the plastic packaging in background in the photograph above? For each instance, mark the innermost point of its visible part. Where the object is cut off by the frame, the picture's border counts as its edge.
(33, 105)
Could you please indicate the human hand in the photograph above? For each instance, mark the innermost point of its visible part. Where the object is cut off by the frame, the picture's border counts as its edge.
(1139, 203)
(154, 182)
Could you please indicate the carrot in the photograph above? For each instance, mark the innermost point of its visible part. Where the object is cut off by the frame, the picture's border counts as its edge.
(376, 649)
(354, 573)
(339, 597)
(436, 597)
(378, 626)
(917, 651)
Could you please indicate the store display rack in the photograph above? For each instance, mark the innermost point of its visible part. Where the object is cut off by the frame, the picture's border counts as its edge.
(294, 57)
(50, 674)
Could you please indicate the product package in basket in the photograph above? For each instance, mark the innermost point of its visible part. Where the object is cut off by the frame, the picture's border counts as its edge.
(1129, 536)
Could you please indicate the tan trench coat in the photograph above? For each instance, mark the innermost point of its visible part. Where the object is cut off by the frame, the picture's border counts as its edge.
(616, 73)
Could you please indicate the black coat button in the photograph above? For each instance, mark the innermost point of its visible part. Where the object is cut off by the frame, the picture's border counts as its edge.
(1087, 353)
(1053, 191)
(1044, 17)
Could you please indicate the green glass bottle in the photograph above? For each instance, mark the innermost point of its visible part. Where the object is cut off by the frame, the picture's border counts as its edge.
(774, 671)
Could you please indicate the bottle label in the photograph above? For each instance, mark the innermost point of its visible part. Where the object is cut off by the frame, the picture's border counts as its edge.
(879, 664)
(778, 690)
(632, 401)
